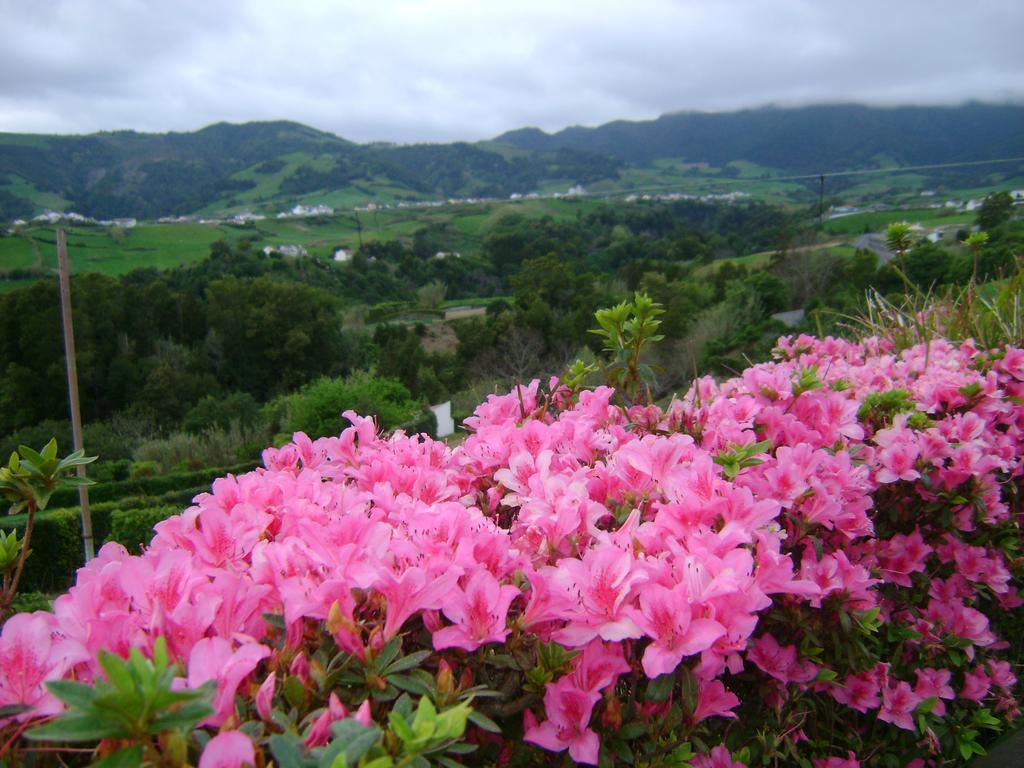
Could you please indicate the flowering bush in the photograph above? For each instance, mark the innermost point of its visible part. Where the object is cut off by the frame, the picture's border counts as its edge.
(814, 563)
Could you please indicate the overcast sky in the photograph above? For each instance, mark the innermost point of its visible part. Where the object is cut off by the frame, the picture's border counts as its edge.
(438, 70)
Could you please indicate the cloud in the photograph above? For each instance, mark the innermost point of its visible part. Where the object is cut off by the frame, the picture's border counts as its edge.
(438, 70)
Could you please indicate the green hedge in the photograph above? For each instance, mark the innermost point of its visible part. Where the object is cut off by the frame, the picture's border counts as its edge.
(124, 512)
(134, 527)
(148, 486)
(57, 550)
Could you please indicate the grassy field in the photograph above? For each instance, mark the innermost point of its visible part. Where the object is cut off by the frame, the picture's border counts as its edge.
(116, 251)
(858, 223)
(19, 187)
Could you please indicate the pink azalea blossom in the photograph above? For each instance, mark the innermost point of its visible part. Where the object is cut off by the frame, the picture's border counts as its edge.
(29, 656)
(718, 757)
(898, 705)
(230, 749)
(666, 617)
(568, 725)
(478, 611)
(213, 659)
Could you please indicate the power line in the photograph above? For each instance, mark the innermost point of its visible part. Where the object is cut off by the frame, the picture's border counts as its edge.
(717, 180)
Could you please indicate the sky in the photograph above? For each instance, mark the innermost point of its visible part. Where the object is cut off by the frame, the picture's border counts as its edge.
(444, 70)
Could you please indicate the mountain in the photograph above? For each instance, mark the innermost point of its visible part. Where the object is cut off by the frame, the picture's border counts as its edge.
(124, 173)
(804, 140)
(269, 165)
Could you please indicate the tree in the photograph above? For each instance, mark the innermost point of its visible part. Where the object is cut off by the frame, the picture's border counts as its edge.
(996, 209)
(898, 240)
(276, 335)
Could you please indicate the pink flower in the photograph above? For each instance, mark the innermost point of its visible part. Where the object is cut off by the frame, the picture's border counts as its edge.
(934, 682)
(605, 579)
(976, 685)
(410, 592)
(31, 652)
(859, 692)
(780, 661)
(568, 724)
(718, 757)
(665, 616)
(1002, 674)
(714, 700)
(231, 749)
(213, 659)
(478, 611)
(898, 705)
(265, 697)
(850, 761)
(320, 732)
(599, 666)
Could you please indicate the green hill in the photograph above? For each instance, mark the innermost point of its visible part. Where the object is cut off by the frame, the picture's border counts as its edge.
(267, 166)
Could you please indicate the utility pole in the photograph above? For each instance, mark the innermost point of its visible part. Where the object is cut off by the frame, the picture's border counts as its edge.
(76, 415)
(821, 202)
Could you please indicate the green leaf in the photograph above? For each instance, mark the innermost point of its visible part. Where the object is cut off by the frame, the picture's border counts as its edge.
(410, 684)
(77, 726)
(407, 662)
(287, 752)
(351, 741)
(294, 691)
(660, 687)
(483, 721)
(387, 653)
(130, 757)
(72, 693)
(426, 717)
(401, 727)
(184, 718)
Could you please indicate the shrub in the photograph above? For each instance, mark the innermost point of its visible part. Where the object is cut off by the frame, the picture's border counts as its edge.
(141, 469)
(215, 447)
(815, 563)
(133, 528)
(317, 408)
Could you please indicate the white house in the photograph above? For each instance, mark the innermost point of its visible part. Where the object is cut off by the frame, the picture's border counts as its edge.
(342, 254)
(293, 251)
(443, 414)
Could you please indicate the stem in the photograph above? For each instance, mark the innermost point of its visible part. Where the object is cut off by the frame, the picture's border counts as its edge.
(11, 588)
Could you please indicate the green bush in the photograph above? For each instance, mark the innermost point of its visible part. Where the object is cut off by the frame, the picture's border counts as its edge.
(57, 549)
(111, 471)
(221, 412)
(141, 469)
(316, 409)
(148, 486)
(214, 447)
(136, 505)
(29, 602)
(134, 527)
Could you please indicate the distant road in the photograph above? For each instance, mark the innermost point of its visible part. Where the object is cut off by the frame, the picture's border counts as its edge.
(876, 243)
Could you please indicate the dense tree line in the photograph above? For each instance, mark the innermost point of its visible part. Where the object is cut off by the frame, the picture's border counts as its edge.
(210, 344)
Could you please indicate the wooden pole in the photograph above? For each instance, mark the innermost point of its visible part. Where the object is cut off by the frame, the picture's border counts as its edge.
(76, 415)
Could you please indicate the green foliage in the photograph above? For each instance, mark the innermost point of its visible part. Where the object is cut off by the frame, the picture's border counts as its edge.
(626, 330)
(735, 458)
(133, 528)
(282, 334)
(316, 409)
(879, 408)
(996, 209)
(27, 483)
(135, 703)
(216, 446)
(31, 477)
